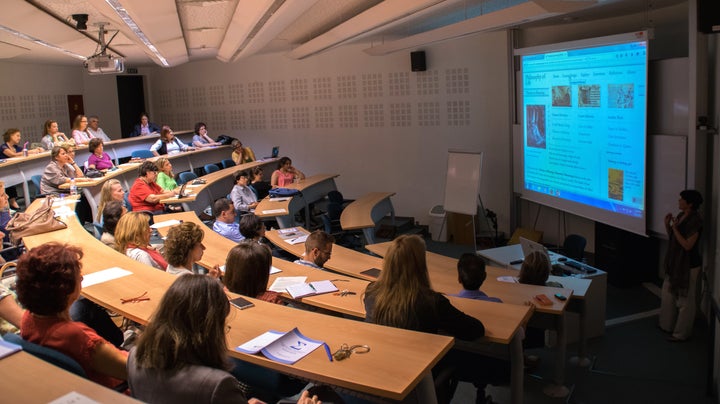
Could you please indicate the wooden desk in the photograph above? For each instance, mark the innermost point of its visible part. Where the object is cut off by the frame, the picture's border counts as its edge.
(443, 276)
(343, 260)
(27, 379)
(312, 189)
(391, 370)
(365, 213)
(501, 321)
(217, 185)
(217, 248)
(589, 296)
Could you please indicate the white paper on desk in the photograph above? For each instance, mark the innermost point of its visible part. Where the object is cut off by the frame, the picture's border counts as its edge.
(291, 347)
(73, 397)
(280, 199)
(165, 223)
(256, 344)
(282, 282)
(104, 276)
(273, 270)
(297, 240)
(8, 348)
(273, 211)
(193, 185)
(64, 202)
(287, 231)
(63, 211)
(507, 278)
(311, 289)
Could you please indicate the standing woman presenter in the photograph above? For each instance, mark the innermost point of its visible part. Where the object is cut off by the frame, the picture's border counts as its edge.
(682, 266)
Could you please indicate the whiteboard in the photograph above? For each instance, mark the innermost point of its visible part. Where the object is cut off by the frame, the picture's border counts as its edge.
(462, 184)
(668, 168)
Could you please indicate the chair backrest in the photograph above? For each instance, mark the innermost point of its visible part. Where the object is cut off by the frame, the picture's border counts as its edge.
(227, 163)
(186, 176)
(98, 230)
(143, 154)
(47, 354)
(335, 205)
(574, 246)
(210, 168)
(36, 181)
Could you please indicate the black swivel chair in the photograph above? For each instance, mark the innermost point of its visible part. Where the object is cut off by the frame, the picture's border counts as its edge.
(574, 247)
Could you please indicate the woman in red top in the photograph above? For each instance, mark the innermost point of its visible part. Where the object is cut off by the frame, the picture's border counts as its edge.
(247, 270)
(145, 193)
(48, 282)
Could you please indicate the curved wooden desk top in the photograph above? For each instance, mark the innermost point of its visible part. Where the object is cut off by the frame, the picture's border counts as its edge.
(358, 214)
(270, 208)
(217, 248)
(392, 369)
(214, 178)
(343, 260)
(501, 320)
(444, 278)
(21, 369)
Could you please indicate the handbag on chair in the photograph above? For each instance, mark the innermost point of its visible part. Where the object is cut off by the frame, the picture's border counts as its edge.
(29, 224)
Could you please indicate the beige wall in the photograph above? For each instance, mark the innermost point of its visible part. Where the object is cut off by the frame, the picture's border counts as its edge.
(391, 145)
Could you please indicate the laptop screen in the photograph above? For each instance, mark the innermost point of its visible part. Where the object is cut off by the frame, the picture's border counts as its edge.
(275, 151)
(529, 246)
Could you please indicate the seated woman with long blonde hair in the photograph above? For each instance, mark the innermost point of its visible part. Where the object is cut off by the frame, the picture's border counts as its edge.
(402, 297)
(132, 238)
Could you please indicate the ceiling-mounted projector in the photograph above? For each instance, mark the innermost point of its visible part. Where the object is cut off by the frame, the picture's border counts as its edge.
(102, 62)
(105, 64)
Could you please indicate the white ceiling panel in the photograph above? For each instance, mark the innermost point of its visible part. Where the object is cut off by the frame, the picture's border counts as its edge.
(184, 30)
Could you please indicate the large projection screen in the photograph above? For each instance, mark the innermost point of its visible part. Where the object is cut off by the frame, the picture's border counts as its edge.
(584, 108)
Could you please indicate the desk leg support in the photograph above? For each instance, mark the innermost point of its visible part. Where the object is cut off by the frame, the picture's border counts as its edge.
(369, 233)
(517, 370)
(582, 359)
(558, 390)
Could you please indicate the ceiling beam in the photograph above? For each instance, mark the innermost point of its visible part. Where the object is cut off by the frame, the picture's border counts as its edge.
(505, 18)
(374, 17)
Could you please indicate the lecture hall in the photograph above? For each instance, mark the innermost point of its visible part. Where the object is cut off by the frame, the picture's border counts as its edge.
(580, 132)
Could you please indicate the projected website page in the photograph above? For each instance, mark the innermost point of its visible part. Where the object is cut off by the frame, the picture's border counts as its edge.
(584, 126)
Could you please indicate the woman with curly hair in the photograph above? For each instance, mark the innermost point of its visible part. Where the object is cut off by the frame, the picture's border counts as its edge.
(48, 282)
(184, 247)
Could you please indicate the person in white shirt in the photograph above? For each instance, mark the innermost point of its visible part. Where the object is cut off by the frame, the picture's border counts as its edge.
(225, 224)
(94, 130)
(79, 125)
(168, 143)
(242, 196)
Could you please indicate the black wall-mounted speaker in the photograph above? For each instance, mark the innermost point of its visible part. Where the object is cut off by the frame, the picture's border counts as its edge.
(417, 61)
(708, 16)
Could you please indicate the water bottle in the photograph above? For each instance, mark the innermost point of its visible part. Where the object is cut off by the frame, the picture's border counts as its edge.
(25, 153)
(73, 187)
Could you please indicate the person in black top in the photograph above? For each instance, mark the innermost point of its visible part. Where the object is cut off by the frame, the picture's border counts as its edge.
(402, 297)
(682, 266)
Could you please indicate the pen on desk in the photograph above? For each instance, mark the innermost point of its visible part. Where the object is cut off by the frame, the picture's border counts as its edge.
(327, 351)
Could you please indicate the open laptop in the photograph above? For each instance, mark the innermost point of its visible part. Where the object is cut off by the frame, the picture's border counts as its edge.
(182, 193)
(275, 152)
(529, 246)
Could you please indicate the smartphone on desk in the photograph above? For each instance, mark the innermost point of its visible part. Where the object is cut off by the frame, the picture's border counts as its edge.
(241, 303)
